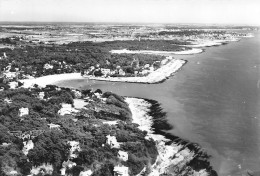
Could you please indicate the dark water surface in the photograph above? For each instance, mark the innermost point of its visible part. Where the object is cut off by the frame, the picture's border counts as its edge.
(214, 101)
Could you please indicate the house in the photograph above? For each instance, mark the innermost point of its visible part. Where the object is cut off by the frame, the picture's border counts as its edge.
(74, 147)
(67, 109)
(54, 126)
(27, 146)
(85, 173)
(111, 140)
(13, 172)
(13, 84)
(121, 171)
(23, 111)
(77, 93)
(41, 95)
(121, 72)
(48, 66)
(105, 71)
(146, 65)
(122, 155)
(145, 72)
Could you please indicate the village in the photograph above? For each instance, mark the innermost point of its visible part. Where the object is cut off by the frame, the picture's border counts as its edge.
(133, 71)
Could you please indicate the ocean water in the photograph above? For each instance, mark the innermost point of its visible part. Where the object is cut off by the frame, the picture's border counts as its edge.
(214, 100)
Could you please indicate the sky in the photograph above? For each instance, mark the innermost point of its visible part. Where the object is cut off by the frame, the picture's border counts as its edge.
(138, 11)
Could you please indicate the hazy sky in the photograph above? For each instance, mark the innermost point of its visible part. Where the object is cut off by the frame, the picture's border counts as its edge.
(156, 11)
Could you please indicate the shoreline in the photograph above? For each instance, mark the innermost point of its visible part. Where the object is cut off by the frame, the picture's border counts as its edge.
(175, 156)
(209, 43)
(163, 53)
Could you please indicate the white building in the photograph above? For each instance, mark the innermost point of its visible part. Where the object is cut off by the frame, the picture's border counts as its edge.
(41, 95)
(85, 173)
(77, 93)
(13, 85)
(74, 147)
(48, 66)
(13, 172)
(121, 72)
(27, 146)
(67, 109)
(105, 71)
(23, 111)
(122, 155)
(146, 66)
(54, 126)
(121, 171)
(145, 72)
(111, 140)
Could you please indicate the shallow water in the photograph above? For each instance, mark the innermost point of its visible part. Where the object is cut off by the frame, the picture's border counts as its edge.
(214, 101)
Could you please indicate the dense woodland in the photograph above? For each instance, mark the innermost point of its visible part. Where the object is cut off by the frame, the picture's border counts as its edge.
(50, 145)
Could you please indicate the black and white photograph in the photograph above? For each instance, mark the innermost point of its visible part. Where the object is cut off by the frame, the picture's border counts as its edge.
(129, 88)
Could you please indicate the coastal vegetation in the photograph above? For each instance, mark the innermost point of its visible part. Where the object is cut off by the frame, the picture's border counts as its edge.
(50, 132)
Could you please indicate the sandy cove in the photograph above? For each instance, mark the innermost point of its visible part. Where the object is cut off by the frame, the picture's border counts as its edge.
(50, 79)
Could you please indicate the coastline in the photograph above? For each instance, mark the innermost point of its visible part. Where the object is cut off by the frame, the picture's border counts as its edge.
(209, 43)
(176, 156)
(163, 53)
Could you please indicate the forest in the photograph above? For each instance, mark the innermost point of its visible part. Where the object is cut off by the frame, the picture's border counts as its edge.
(86, 127)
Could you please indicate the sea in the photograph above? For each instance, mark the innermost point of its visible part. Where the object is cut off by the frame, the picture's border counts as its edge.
(214, 100)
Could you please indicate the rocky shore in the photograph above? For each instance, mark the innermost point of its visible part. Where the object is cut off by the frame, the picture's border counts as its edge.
(176, 156)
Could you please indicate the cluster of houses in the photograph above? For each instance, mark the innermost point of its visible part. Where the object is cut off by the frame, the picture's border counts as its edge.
(119, 71)
(104, 72)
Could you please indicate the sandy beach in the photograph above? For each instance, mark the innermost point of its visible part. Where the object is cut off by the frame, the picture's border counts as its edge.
(50, 79)
(163, 53)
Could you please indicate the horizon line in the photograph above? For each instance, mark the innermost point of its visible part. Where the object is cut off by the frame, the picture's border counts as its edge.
(162, 23)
